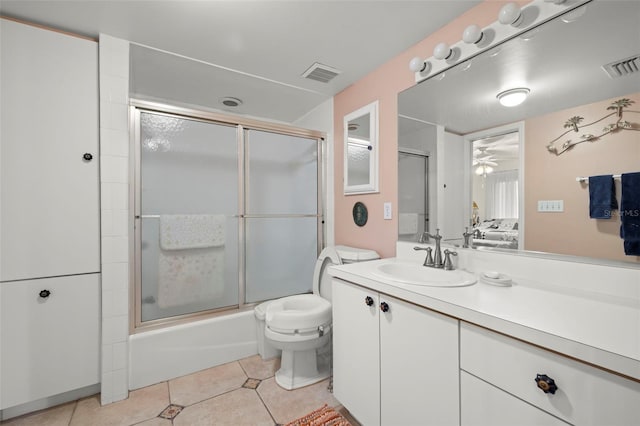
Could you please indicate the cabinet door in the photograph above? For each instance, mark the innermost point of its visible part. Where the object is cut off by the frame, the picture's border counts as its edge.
(356, 372)
(485, 405)
(49, 219)
(50, 345)
(419, 371)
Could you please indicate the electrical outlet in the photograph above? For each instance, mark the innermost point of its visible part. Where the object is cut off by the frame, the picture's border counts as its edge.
(387, 211)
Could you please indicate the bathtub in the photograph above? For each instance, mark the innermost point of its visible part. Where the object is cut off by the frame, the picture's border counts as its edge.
(159, 355)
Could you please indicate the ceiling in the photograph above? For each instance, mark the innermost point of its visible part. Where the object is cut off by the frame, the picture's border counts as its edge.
(253, 50)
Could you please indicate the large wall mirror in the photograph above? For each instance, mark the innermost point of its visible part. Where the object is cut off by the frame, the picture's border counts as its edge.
(563, 63)
(361, 150)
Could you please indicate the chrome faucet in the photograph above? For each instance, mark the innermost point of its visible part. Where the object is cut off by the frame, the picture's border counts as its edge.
(437, 257)
(466, 234)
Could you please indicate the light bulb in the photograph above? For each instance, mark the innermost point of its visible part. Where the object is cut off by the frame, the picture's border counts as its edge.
(442, 51)
(417, 64)
(472, 34)
(509, 14)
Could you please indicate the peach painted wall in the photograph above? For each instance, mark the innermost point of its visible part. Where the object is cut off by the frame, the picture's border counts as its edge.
(384, 84)
(551, 177)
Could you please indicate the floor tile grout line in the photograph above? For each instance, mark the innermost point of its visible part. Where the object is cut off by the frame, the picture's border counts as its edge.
(73, 412)
(265, 405)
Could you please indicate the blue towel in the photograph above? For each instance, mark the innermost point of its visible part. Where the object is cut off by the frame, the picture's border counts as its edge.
(630, 213)
(602, 197)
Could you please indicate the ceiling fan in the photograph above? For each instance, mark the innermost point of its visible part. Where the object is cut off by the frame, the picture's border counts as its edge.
(483, 158)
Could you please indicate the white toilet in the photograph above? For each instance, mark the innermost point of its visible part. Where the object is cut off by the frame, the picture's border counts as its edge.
(300, 325)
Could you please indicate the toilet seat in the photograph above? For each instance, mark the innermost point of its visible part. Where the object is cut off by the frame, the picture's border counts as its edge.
(300, 314)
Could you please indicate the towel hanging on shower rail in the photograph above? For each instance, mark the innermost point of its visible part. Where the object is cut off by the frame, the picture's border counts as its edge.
(188, 231)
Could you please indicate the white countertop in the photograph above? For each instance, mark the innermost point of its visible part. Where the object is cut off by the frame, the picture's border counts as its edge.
(602, 330)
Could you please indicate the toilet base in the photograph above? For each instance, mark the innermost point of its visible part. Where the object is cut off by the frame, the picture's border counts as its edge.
(302, 368)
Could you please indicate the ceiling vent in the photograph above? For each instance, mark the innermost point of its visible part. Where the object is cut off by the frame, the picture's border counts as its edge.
(623, 67)
(320, 72)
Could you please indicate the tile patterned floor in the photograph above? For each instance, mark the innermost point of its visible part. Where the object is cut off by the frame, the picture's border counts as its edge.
(239, 393)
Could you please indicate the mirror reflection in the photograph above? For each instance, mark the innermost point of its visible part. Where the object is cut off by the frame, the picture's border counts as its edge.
(361, 150)
(358, 150)
(566, 65)
(494, 191)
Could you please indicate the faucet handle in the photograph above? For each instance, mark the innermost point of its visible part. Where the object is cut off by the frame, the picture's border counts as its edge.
(448, 265)
(428, 261)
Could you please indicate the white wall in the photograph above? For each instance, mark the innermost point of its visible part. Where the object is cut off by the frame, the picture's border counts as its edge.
(452, 206)
(321, 118)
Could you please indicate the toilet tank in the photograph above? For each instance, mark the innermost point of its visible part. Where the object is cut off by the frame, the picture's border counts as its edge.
(353, 254)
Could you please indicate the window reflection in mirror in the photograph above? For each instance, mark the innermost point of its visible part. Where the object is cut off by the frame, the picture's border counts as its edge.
(361, 150)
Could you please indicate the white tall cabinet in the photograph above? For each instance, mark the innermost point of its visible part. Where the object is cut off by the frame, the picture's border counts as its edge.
(49, 214)
(394, 363)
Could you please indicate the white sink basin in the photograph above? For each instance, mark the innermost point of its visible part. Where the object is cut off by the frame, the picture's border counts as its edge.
(416, 274)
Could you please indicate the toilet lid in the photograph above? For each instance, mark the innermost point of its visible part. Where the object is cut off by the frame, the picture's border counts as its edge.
(321, 279)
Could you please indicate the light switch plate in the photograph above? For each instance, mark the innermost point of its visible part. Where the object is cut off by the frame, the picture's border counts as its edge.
(551, 206)
(387, 211)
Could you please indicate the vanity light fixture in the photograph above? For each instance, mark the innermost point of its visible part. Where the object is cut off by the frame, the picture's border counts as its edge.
(513, 97)
(442, 51)
(555, 1)
(510, 14)
(472, 34)
(418, 65)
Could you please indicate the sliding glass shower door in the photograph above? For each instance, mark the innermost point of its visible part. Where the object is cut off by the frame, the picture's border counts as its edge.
(188, 216)
(225, 215)
(281, 215)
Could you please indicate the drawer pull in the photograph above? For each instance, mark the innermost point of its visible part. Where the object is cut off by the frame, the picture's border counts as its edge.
(384, 307)
(546, 383)
(87, 156)
(45, 293)
(368, 300)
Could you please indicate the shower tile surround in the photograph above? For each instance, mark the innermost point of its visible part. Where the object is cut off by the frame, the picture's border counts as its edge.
(248, 396)
(114, 211)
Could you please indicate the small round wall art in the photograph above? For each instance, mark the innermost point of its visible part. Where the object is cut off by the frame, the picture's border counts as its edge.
(360, 214)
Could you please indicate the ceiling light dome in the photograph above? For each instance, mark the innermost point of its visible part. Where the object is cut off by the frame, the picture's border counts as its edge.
(513, 97)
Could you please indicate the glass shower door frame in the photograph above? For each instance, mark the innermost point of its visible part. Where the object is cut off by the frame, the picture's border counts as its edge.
(242, 127)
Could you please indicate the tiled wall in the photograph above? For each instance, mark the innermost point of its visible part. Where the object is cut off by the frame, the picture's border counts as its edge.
(114, 188)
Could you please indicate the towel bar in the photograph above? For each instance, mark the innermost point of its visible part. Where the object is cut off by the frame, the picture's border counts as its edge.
(586, 179)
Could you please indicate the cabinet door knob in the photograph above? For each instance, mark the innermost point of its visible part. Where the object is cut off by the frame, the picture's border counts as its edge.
(87, 156)
(368, 300)
(384, 307)
(546, 383)
(45, 293)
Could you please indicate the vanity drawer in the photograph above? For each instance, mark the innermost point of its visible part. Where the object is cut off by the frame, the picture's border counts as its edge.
(482, 404)
(585, 395)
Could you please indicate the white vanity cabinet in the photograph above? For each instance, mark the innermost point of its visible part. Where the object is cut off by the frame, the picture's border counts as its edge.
(500, 383)
(394, 363)
(49, 218)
